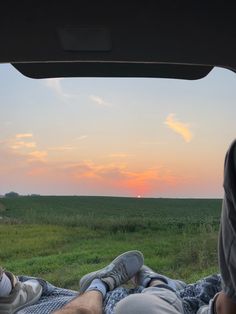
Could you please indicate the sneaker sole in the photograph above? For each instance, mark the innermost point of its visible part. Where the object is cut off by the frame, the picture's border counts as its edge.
(86, 280)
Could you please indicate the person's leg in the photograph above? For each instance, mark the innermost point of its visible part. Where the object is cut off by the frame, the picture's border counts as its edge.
(226, 301)
(89, 302)
(149, 302)
(146, 275)
(155, 299)
(158, 297)
(93, 286)
(119, 271)
(16, 295)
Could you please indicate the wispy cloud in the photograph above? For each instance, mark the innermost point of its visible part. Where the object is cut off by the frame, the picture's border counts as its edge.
(81, 137)
(181, 128)
(99, 101)
(37, 156)
(119, 175)
(24, 135)
(21, 141)
(55, 84)
(22, 144)
(115, 176)
(62, 148)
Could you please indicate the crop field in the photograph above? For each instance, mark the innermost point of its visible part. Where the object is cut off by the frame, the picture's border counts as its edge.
(60, 238)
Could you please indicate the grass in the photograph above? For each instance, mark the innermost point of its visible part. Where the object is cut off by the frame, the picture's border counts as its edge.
(62, 238)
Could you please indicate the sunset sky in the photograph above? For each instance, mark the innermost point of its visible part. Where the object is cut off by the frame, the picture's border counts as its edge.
(121, 137)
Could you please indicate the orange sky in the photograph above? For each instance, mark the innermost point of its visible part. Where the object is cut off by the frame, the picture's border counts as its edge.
(125, 137)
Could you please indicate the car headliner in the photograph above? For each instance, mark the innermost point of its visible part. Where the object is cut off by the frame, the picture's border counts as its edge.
(174, 39)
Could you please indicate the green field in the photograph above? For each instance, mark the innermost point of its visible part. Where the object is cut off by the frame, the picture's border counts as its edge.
(62, 238)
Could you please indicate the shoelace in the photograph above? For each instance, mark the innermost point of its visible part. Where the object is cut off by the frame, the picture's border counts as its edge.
(119, 274)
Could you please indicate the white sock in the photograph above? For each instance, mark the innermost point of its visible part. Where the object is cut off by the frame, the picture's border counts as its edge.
(98, 285)
(5, 286)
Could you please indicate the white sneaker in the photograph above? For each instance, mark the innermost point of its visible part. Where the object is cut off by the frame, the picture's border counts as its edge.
(23, 294)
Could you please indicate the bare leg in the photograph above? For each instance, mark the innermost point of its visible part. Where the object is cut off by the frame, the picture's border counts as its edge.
(155, 282)
(88, 303)
(119, 271)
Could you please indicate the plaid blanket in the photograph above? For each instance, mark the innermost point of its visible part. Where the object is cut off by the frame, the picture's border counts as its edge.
(193, 296)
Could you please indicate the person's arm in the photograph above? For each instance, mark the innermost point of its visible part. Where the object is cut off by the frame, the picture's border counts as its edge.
(224, 305)
(227, 237)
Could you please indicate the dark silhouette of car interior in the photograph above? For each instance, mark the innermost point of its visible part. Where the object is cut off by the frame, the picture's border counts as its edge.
(166, 39)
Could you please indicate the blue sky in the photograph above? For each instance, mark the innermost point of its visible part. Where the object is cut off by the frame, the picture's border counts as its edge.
(126, 137)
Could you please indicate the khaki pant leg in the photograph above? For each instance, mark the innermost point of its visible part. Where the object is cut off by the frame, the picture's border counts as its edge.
(151, 301)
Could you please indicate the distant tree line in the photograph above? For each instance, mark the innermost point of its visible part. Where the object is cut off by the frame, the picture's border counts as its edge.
(15, 194)
(12, 194)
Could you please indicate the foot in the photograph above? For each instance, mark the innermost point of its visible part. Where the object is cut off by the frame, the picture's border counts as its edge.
(23, 294)
(12, 278)
(119, 271)
(147, 277)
